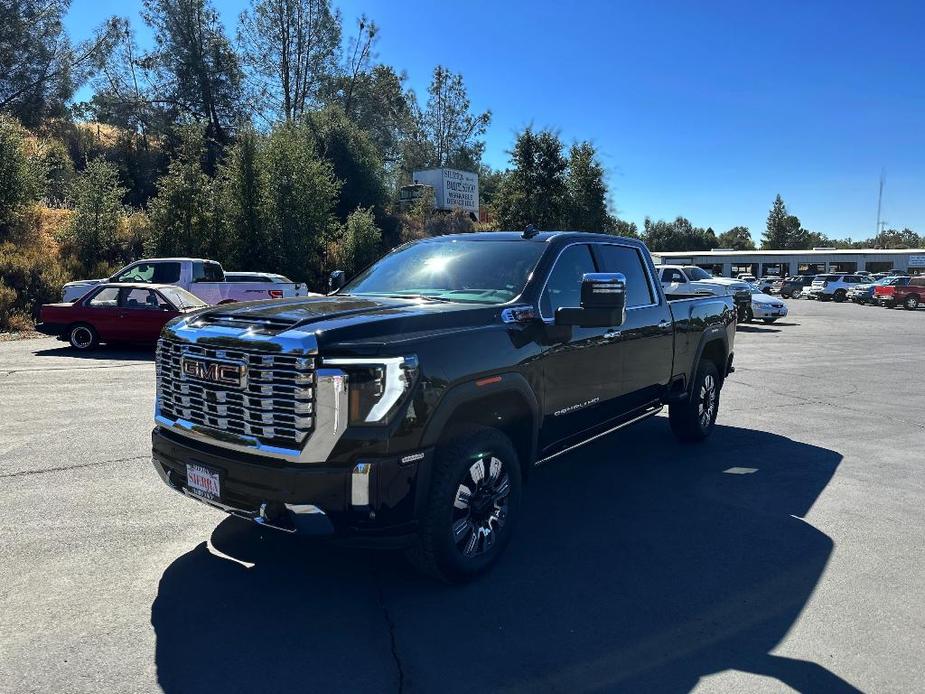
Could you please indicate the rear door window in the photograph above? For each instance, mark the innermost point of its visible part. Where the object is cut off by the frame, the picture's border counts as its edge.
(671, 275)
(627, 260)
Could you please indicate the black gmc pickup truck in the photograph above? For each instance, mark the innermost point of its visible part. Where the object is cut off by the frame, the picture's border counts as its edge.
(409, 406)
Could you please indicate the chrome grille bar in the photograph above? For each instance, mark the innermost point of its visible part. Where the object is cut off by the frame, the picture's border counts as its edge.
(275, 404)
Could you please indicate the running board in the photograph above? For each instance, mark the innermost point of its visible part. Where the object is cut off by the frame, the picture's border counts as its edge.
(638, 418)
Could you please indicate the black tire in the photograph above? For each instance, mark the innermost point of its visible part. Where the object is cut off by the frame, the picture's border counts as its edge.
(840, 295)
(693, 418)
(784, 296)
(766, 290)
(911, 303)
(460, 536)
(82, 337)
(749, 315)
(769, 320)
(796, 293)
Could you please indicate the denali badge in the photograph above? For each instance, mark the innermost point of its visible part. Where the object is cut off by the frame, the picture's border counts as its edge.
(219, 372)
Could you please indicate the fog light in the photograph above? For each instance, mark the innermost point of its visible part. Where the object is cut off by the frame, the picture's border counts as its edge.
(359, 484)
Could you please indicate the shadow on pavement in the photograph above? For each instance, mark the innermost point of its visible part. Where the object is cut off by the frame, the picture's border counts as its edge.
(638, 565)
(750, 328)
(103, 352)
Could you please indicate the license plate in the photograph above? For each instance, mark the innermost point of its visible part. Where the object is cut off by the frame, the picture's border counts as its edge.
(203, 482)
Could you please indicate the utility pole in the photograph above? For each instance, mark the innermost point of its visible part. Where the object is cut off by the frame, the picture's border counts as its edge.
(879, 203)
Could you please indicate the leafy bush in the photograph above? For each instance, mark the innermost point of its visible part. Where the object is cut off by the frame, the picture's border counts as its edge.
(358, 244)
(98, 214)
(35, 276)
(21, 176)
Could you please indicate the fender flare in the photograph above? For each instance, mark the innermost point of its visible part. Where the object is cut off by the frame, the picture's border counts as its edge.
(712, 334)
(459, 395)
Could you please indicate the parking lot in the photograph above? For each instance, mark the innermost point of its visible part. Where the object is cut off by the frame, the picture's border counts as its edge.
(787, 550)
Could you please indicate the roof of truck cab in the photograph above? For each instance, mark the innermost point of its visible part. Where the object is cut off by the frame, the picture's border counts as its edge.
(539, 237)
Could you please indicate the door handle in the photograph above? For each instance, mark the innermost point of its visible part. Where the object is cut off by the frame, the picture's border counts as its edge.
(611, 334)
(663, 324)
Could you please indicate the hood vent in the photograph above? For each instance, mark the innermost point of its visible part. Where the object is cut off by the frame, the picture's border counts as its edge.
(267, 325)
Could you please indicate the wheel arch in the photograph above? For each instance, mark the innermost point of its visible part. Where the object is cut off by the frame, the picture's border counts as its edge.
(509, 405)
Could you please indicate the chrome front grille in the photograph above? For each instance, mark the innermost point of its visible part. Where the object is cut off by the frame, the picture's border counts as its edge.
(275, 403)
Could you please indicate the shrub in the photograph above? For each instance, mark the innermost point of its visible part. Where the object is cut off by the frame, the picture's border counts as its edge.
(34, 275)
(359, 243)
(21, 176)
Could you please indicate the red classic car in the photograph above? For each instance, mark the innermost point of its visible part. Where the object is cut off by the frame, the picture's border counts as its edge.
(117, 313)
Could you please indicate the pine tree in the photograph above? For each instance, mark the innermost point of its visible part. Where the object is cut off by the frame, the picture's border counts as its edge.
(783, 231)
(534, 191)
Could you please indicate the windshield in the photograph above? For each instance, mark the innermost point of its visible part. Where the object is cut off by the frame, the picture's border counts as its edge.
(696, 273)
(181, 298)
(490, 272)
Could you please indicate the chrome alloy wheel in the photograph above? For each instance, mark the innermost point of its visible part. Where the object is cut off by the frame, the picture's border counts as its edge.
(707, 401)
(481, 506)
(81, 337)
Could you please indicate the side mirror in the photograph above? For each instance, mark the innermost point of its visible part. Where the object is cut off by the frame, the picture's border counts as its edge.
(603, 302)
(336, 280)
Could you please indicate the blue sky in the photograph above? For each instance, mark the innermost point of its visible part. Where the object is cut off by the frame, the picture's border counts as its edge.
(706, 109)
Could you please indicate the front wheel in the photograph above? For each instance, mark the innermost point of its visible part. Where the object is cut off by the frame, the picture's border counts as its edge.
(769, 320)
(693, 418)
(911, 302)
(796, 293)
(473, 503)
(83, 337)
(840, 295)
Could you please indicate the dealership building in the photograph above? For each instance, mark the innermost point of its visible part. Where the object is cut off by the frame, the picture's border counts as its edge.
(723, 262)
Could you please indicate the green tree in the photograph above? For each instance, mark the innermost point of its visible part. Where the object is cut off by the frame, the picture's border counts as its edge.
(586, 191)
(183, 213)
(895, 238)
(242, 191)
(355, 159)
(621, 227)
(98, 212)
(737, 238)
(299, 205)
(21, 177)
(40, 68)
(360, 242)
(534, 191)
(59, 171)
(447, 133)
(197, 70)
(783, 231)
(679, 235)
(291, 50)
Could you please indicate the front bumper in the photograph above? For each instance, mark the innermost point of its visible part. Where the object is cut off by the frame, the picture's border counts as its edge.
(371, 500)
(765, 311)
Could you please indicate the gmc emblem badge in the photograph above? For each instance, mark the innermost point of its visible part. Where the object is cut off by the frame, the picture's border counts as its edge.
(219, 372)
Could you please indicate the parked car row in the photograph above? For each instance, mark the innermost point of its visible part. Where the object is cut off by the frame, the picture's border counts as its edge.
(885, 289)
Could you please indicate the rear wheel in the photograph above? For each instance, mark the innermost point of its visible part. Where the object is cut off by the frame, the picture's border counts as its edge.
(83, 337)
(693, 418)
(840, 295)
(473, 503)
(911, 302)
(769, 320)
(796, 293)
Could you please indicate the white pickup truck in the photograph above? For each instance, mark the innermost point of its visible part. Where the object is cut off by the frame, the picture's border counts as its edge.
(683, 281)
(204, 278)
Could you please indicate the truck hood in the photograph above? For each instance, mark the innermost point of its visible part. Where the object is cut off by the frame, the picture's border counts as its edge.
(361, 322)
(85, 283)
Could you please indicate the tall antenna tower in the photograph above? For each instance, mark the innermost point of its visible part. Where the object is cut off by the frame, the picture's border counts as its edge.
(879, 202)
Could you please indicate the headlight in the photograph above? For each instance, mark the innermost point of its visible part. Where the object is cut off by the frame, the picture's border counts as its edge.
(376, 386)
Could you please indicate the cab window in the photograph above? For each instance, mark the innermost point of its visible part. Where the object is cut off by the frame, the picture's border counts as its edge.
(208, 272)
(105, 298)
(670, 275)
(155, 273)
(627, 261)
(564, 285)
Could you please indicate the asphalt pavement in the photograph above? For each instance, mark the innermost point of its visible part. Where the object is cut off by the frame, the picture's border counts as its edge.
(787, 551)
